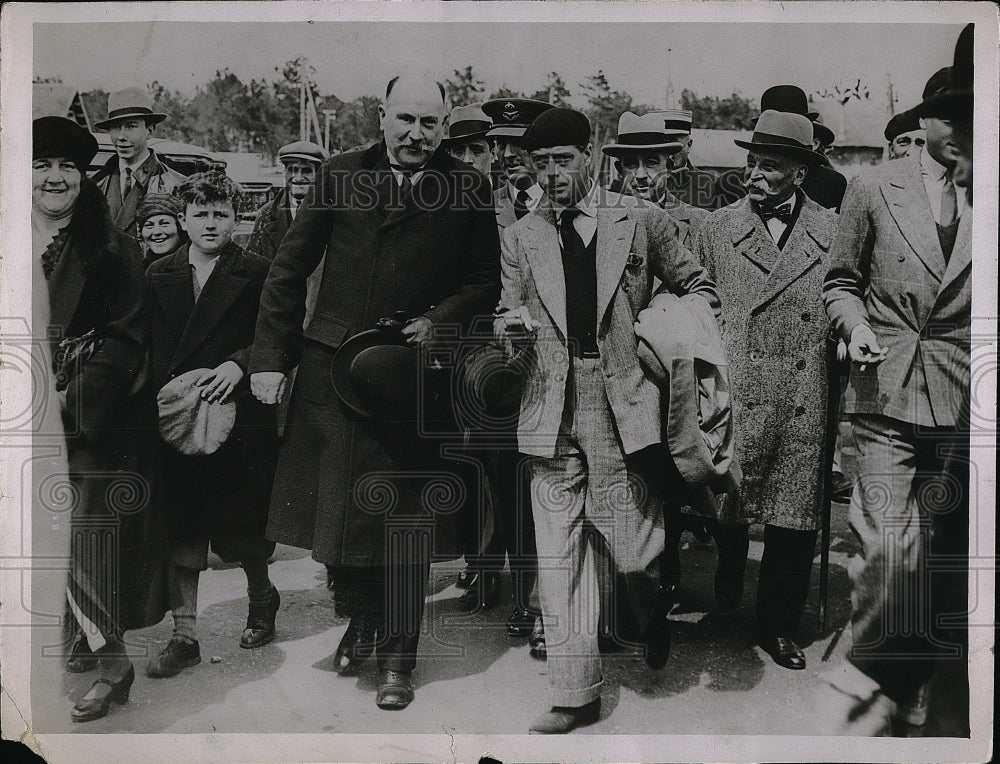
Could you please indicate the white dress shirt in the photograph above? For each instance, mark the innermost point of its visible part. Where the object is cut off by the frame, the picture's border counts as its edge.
(775, 226)
(202, 268)
(933, 174)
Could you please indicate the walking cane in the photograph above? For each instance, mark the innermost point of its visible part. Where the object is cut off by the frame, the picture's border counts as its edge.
(832, 425)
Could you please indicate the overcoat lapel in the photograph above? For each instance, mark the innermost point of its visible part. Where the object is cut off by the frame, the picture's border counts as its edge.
(65, 286)
(961, 253)
(430, 190)
(173, 290)
(907, 202)
(113, 194)
(217, 297)
(803, 250)
(615, 230)
(752, 240)
(545, 261)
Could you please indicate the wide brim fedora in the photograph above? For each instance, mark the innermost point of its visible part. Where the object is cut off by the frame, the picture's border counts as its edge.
(783, 134)
(152, 117)
(792, 151)
(359, 365)
(456, 140)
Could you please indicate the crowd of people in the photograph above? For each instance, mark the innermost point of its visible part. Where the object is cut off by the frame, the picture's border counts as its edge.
(454, 342)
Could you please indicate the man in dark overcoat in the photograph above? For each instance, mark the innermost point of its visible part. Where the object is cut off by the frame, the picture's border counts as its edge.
(767, 254)
(407, 228)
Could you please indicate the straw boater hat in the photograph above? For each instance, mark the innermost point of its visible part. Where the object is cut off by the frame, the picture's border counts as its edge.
(783, 134)
(646, 133)
(511, 116)
(467, 123)
(128, 104)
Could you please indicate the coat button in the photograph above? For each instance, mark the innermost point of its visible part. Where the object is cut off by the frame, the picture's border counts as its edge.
(807, 316)
(624, 287)
(902, 299)
(901, 258)
(750, 404)
(800, 410)
(800, 364)
(754, 356)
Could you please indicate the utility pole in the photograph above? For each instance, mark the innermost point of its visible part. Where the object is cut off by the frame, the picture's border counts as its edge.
(670, 84)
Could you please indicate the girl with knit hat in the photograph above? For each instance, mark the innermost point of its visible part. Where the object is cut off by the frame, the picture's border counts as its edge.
(159, 226)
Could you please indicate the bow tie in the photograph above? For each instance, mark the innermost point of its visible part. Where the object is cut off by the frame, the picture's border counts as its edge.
(785, 213)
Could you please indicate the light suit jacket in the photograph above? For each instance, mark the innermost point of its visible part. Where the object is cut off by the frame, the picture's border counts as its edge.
(635, 243)
(888, 271)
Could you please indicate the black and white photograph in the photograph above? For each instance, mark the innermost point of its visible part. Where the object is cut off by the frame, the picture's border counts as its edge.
(498, 381)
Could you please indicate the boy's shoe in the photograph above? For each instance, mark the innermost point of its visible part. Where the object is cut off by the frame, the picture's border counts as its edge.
(178, 655)
(260, 623)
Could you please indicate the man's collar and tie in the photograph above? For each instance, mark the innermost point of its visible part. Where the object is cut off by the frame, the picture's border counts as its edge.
(780, 218)
(946, 203)
(524, 200)
(582, 217)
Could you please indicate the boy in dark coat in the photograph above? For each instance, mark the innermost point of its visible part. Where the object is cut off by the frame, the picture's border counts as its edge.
(203, 302)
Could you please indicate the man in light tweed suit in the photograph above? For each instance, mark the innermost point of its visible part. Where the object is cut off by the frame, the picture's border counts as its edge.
(575, 274)
(767, 252)
(899, 293)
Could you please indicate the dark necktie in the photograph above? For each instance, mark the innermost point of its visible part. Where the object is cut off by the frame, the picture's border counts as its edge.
(196, 286)
(949, 201)
(521, 204)
(127, 183)
(784, 212)
(572, 242)
(405, 179)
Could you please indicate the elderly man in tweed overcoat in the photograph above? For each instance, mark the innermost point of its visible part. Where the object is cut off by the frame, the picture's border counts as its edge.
(767, 254)
(575, 273)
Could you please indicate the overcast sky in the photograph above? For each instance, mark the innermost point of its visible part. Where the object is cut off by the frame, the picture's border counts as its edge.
(357, 58)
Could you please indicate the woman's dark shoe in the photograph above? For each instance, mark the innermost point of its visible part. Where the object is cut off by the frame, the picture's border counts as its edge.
(537, 640)
(260, 623)
(563, 719)
(656, 637)
(395, 690)
(97, 707)
(357, 644)
(81, 657)
(178, 655)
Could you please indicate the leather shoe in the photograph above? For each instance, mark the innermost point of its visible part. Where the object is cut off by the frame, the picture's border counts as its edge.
(537, 640)
(178, 655)
(97, 707)
(521, 623)
(784, 652)
(357, 644)
(483, 593)
(81, 657)
(395, 690)
(260, 623)
(656, 637)
(563, 719)
(465, 578)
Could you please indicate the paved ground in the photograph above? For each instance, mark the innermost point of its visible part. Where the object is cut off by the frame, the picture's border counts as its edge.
(471, 676)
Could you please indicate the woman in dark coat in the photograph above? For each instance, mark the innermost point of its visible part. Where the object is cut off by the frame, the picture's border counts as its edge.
(98, 333)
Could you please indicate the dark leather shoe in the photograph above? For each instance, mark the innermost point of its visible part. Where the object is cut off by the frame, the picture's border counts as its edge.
(483, 593)
(97, 707)
(260, 623)
(81, 657)
(537, 640)
(784, 652)
(520, 623)
(563, 719)
(357, 644)
(178, 655)
(842, 488)
(465, 578)
(395, 690)
(656, 637)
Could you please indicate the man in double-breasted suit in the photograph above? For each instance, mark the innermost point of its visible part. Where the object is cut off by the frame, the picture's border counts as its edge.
(767, 253)
(405, 228)
(899, 293)
(575, 274)
(134, 170)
